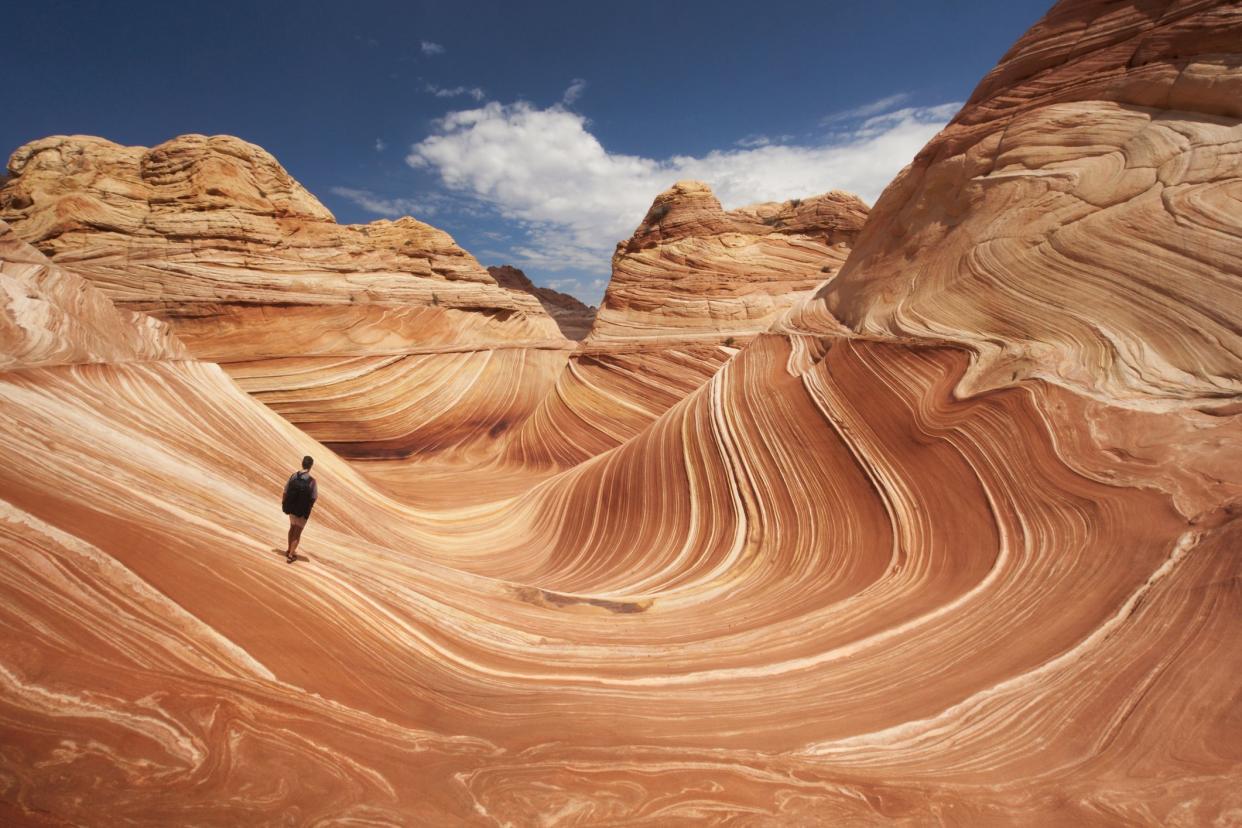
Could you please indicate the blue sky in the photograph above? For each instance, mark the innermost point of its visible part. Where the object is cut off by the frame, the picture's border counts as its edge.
(536, 134)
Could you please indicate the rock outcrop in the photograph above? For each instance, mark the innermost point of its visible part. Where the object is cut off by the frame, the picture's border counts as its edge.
(862, 575)
(571, 315)
(693, 271)
(53, 317)
(691, 286)
(339, 327)
(1074, 222)
(211, 234)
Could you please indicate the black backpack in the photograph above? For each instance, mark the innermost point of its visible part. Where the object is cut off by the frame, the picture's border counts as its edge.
(297, 500)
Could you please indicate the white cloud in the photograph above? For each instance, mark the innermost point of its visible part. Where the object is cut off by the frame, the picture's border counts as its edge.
(762, 140)
(384, 206)
(380, 146)
(430, 49)
(455, 91)
(574, 91)
(874, 108)
(575, 200)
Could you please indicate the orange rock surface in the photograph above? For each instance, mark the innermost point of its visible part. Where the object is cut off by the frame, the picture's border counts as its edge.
(690, 287)
(693, 271)
(346, 330)
(954, 541)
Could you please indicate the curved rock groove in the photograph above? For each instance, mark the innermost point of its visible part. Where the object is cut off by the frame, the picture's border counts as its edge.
(949, 536)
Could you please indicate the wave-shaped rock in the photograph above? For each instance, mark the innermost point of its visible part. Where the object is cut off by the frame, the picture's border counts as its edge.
(1076, 220)
(213, 236)
(688, 288)
(53, 317)
(858, 576)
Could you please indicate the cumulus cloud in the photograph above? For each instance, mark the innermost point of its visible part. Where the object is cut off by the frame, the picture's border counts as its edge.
(380, 146)
(383, 205)
(430, 49)
(455, 91)
(573, 199)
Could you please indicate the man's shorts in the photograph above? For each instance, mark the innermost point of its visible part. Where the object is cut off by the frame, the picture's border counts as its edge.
(294, 520)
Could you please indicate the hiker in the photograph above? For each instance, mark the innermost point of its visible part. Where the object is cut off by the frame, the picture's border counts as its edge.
(298, 500)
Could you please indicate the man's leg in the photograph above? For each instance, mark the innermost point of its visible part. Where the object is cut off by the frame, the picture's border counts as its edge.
(295, 535)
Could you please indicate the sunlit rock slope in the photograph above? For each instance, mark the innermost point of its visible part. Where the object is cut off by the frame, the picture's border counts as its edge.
(690, 287)
(955, 541)
(346, 330)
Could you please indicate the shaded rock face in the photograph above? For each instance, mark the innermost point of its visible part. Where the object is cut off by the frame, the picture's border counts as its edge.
(343, 329)
(572, 316)
(856, 577)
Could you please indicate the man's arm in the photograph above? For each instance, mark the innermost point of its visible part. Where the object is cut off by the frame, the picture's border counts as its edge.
(314, 490)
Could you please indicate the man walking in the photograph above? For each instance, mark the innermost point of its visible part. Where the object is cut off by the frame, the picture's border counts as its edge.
(299, 499)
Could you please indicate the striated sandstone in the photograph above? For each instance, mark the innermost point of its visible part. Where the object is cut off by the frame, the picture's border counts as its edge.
(839, 582)
(693, 271)
(53, 317)
(214, 237)
(1096, 168)
(689, 287)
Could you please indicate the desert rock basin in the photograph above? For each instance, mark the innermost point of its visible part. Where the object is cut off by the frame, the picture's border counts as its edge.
(926, 513)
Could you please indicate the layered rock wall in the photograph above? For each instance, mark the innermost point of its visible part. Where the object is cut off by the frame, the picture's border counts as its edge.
(1077, 220)
(858, 576)
(688, 289)
(214, 237)
(572, 316)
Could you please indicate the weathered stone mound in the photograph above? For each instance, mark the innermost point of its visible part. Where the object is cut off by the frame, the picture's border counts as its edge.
(213, 235)
(357, 333)
(693, 271)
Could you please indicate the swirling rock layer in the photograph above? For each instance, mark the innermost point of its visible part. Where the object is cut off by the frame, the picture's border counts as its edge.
(691, 270)
(857, 576)
(213, 236)
(1078, 218)
(688, 289)
(53, 317)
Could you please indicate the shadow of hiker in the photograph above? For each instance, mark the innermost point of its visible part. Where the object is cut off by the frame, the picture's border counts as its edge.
(300, 558)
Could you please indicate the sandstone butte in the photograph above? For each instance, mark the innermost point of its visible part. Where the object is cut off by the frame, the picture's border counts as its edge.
(954, 540)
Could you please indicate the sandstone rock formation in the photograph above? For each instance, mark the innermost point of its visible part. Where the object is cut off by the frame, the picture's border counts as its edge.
(214, 237)
(1097, 165)
(572, 316)
(691, 286)
(862, 575)
(52, 317)
(693, 271)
